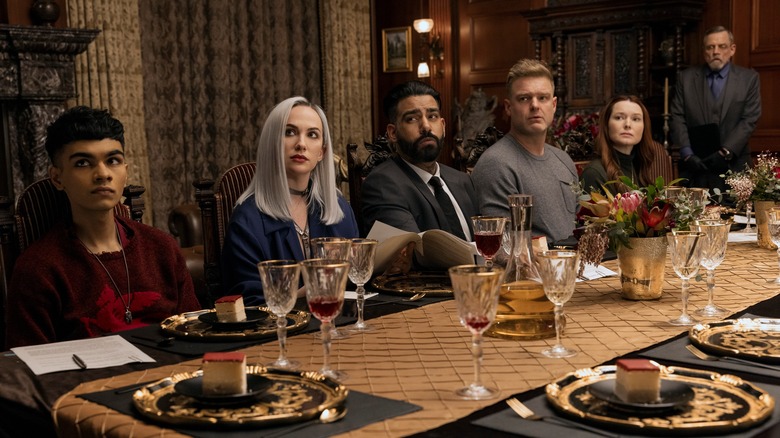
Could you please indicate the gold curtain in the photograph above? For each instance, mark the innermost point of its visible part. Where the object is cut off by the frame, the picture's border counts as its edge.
(346, 65)
(109, 75)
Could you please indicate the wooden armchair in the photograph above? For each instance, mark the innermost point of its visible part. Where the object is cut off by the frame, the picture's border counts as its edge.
(467, 151)
(216, 200)
(358, 170)
(38, 208)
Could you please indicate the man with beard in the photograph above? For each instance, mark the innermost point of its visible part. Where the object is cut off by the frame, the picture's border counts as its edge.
(714, 112)
(411, 191)
(523, 163)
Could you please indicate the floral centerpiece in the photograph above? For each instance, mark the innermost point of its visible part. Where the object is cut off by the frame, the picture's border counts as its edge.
(576, 135)
(617, 221)
(757, 187)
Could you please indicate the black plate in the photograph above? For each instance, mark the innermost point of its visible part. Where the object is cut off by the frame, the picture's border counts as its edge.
(253, 317)
(674, 394)
(256, 386)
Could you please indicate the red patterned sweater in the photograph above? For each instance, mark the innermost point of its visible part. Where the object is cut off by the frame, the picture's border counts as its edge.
(59, 292)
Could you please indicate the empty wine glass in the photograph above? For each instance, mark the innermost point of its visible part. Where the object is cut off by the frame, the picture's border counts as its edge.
(332, 248)
(488, 234)
(773, 222)
(748, 210)
(280, 287)
(325, 282)
(558, 270)
(361, 266)
(686, 250)
(713, 252)
(476, 295)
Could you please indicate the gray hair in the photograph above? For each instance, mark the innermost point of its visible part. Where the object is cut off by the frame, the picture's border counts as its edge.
(718, 29)
(269, 184)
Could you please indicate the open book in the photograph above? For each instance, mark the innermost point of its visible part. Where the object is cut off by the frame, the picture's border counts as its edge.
(434, 249)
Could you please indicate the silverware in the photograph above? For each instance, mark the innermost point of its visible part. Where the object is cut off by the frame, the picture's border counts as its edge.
(327, 416)
(161, 342)
(526, 413)
(415, 297)
(709, 357)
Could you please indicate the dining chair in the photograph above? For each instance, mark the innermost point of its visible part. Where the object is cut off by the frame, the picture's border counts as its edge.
(358, 169)
(662, 165)
(38, 208)
(467, 151)
(216, 199)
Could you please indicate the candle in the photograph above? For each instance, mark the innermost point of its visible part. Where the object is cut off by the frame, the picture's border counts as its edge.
(666, 96)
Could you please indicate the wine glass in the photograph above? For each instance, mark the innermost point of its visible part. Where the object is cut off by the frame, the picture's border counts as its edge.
(325, 281)
(686, 249)
(488, 234)
(773, 223)
(476, 295)
(748, 209)
(713, 252)
(332, 248)
(558, 270)
(280, 287)
(361, 266)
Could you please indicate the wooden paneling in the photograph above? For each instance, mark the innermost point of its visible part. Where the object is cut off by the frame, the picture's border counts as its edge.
(18, 12)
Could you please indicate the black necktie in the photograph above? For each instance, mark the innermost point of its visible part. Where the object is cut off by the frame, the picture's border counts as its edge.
(446, 205)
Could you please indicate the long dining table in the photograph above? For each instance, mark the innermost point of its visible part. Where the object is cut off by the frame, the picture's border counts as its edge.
(422, 354)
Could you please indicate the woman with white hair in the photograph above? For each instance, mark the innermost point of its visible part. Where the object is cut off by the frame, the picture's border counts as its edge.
(293, 198)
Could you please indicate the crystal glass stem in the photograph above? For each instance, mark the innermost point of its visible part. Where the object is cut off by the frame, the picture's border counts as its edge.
(711, 288)
(777, 280)
(489, 262)
(476, 351)
(748, 211)
(325, 328)
(281, 333)
(361, 302)
(560, 321)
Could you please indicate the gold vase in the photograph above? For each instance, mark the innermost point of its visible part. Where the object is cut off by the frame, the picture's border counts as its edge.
(642, 268)
(762, 228)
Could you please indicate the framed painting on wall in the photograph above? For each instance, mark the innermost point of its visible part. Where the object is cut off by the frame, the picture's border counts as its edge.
(397, 49)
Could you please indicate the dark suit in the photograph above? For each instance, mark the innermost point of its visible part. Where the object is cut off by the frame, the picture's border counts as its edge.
(735, 112)
(394, 194)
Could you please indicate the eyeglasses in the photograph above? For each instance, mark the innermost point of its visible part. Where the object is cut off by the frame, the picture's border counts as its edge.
(711, 47)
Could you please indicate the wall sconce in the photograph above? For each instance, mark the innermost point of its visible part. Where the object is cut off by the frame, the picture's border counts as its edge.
(433, 45)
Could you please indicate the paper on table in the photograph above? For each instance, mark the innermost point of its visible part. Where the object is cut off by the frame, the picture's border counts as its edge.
(743, 219)
(742, 237)
(592, 272)
(352, 295)
(101, 352)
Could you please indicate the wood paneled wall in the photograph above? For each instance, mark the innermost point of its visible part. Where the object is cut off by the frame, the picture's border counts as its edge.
(487, 36)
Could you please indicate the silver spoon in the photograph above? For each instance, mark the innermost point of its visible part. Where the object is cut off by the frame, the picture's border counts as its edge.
(415, 297)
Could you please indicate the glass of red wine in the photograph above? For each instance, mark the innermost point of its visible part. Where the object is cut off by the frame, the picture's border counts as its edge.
(488, 232)
(325, 281)
(476, 289)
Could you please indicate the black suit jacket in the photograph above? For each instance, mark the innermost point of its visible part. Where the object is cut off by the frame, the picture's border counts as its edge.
(735, 112)
(394, 194)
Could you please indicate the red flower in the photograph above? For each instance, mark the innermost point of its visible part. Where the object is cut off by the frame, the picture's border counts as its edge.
(657, 216)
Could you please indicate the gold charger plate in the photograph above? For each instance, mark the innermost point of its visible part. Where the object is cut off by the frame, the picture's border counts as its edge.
(755, 339)
(432, 283)
(722, 403)
(293, 397)
(189, 326)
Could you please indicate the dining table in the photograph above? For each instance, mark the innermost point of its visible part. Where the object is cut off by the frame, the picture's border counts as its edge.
(417, 357)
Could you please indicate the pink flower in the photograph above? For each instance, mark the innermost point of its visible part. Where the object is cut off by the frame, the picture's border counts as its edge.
(628, 202)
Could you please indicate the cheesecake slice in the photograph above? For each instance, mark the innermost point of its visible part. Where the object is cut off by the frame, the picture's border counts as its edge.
(638, 381)
(224, 374)
(230, 309)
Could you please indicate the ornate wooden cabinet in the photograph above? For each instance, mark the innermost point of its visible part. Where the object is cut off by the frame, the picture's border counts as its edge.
(599, 49)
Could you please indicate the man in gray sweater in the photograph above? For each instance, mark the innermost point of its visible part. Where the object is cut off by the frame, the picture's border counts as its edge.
(522, 163)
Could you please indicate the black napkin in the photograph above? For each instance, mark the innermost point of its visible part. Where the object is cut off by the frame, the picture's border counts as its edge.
(508, 421)
(152, 334)
(362, 409)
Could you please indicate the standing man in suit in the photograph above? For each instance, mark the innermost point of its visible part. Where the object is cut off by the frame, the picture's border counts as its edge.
(717, 99)
(410, 190)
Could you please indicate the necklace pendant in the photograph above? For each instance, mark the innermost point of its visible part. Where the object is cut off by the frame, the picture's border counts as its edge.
(128, 316)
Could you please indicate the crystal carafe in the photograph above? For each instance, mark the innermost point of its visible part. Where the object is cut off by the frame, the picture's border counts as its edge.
(524, 312)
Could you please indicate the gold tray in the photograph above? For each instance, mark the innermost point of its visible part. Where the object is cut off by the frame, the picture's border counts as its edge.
(722, 403)
(293, 397)
(188, 325)
(432, 283)
(755, 339)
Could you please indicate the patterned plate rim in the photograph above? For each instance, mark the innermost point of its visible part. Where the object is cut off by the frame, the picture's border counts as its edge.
(145, 400)
(761, 403)
(380, 283)
(701, 335)
(172, 324)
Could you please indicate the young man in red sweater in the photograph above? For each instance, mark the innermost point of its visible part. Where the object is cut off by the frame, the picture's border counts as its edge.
(96, 273)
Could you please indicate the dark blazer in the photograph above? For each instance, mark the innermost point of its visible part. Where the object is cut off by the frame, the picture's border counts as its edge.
(736, 111)
(253, 236)
(392, 193)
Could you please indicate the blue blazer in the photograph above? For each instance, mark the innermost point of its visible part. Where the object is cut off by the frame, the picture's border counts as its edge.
(253, 236)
